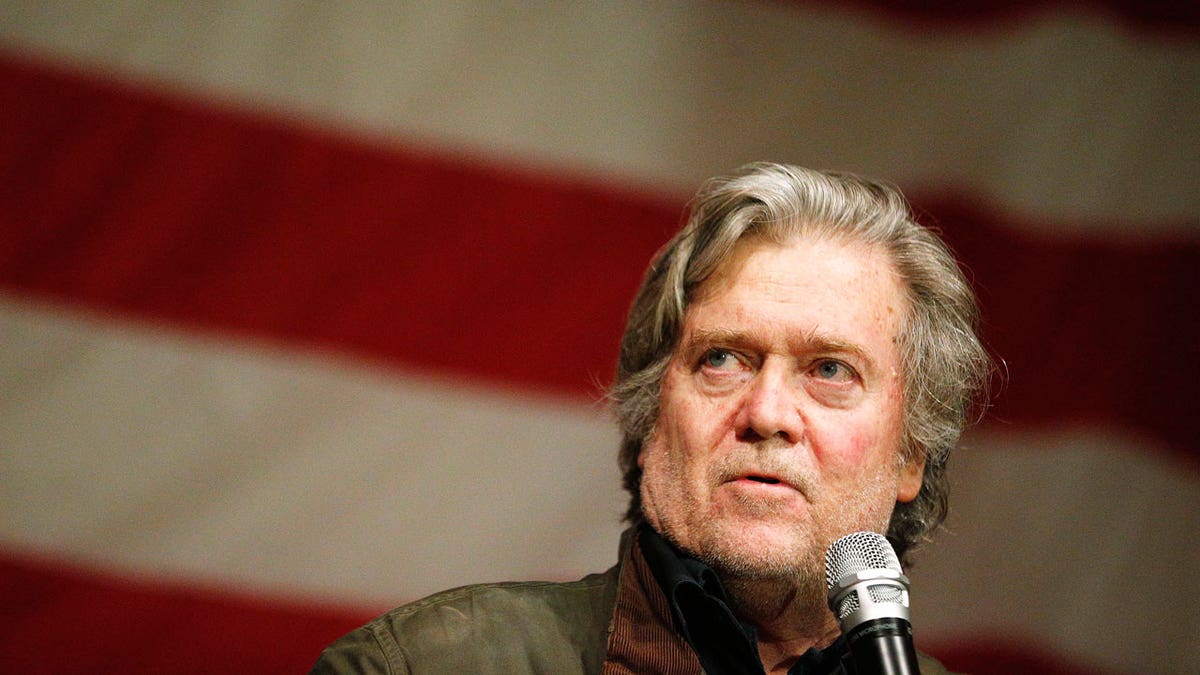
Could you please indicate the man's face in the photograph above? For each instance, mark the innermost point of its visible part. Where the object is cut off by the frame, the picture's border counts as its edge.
(780, 415)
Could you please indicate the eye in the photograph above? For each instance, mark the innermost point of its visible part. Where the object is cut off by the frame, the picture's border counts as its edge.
(833, 371)
(719, 359)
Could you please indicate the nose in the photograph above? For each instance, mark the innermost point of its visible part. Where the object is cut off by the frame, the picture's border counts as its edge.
(770, 407)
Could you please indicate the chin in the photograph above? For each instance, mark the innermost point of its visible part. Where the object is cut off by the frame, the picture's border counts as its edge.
(760, 550)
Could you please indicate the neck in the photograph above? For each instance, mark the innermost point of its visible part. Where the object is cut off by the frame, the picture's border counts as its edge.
(790, 618)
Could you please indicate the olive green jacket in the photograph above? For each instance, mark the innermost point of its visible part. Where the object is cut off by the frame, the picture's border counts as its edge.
(615, 622)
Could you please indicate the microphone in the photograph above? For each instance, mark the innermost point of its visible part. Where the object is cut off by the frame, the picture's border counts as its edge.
(868, 594)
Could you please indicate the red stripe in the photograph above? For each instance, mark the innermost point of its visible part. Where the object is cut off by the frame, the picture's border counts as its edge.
(995, 655)
(58, 619)
(1089, 331)
(160, 208)
(156, 208)
(1164, 17)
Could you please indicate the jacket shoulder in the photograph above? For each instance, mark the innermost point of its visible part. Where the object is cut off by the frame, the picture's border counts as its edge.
(510, 627)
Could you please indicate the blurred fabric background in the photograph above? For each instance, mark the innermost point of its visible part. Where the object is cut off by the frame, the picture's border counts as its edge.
(306, 309)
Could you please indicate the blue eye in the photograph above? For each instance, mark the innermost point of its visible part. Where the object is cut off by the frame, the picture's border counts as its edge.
(831, 370)
(717, 358)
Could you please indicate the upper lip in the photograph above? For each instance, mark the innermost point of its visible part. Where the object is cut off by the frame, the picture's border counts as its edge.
(770, 470)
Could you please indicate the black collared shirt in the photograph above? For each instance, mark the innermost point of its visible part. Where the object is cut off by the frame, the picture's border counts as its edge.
(723, 642)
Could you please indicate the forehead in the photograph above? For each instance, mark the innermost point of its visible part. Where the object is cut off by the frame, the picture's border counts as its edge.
(803, 286)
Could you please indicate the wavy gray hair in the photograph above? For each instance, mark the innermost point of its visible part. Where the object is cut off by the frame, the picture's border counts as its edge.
(945, 365)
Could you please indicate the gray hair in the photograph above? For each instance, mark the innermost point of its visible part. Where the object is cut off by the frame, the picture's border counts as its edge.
(945, 365)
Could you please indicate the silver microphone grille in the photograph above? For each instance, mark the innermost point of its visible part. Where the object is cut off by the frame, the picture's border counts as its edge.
(859, 552)
(856, 552)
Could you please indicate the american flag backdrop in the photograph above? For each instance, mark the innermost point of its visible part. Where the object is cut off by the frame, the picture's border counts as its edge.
(306, 309)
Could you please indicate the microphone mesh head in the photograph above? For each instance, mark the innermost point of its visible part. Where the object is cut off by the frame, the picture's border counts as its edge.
(855, 553)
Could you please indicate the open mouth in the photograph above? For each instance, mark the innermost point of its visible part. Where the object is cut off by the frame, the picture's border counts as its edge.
(763, 479)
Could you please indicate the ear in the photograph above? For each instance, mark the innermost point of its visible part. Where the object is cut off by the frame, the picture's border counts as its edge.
(911, 477)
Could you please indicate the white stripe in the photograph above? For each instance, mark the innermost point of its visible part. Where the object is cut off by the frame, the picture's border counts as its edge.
(1065, 118)
(204, 460)
(1086, 537)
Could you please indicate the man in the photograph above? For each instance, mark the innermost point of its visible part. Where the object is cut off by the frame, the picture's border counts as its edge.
(798, 363)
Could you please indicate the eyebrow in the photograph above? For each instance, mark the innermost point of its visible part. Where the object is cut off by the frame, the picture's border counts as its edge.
(813, 341)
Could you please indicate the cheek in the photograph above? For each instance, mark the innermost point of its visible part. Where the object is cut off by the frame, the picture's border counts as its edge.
(848, 449)
(663, 481)
(688, 422)
(673, 458)
(665, 452)
(840, 440)
(879, 442)
(864, 455)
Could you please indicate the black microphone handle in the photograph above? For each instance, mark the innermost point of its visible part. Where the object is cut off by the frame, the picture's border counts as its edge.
(883, 647)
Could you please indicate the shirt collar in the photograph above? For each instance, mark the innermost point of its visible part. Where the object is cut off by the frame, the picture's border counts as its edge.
(702, 613)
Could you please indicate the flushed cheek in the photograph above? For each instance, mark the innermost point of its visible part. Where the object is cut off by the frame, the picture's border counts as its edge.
(847, 449)
(864, 437)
